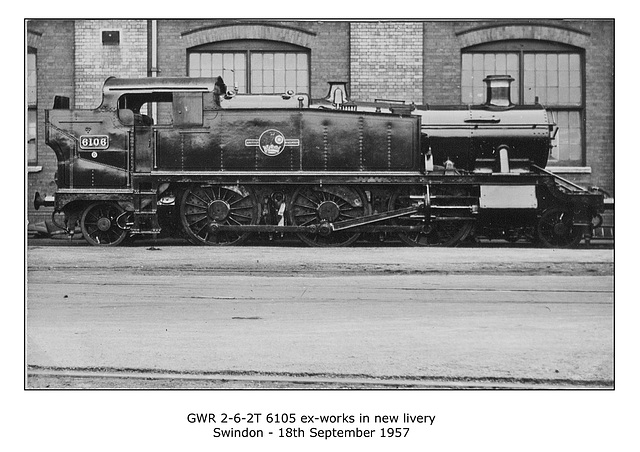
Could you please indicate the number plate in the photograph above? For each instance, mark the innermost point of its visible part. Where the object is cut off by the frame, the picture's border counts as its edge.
(94, 142)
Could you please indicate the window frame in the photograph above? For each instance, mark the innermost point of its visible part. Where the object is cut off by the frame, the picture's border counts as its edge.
(32, 107)
(534, 47)
(248, 47)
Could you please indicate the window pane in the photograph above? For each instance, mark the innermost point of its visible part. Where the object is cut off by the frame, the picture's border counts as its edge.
(466, 61)
(501, 63)
(541, 78)
(574, 62)
(32, 149)
(32, 111)
(475, 67)
(205, 65)
(280, 72)
(303, 82)
(478, 60)
(574, 79)
(32, 82)
(490, 63)
(216, 64)
(267, 61)
(240, 63)
(269, 71)
(279, 61)
(194, 65)
(563, 62)
(279, 81)
(529, 95)
(290, 61)
(467, 95)
(568, 142)
(466, 78)
(290, 80)
(267, 77)
(228, 69)
(552, 78)
(545, 71)
(541, 62)
(256, 61)
(241, 81)
(256, 81)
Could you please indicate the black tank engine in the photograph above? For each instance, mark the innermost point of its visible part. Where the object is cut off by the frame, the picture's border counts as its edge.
(187, 156)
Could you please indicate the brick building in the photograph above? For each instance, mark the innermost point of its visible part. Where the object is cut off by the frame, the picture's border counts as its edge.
(566, 64)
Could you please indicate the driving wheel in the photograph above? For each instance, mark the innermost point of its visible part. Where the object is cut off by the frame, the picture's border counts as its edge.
(204, 207)
(321, 206)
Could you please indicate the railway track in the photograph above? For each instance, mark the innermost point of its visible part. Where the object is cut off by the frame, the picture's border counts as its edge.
(44, 377)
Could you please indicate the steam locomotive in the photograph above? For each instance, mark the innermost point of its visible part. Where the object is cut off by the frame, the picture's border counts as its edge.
(187, 156)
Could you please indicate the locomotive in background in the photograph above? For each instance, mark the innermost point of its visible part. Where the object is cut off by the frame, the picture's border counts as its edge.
(173, 156)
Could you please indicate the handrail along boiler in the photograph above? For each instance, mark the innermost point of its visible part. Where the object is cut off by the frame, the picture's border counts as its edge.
(187, 156)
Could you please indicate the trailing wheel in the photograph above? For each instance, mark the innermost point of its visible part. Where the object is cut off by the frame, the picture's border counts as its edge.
(446, 230)
(556, 229)
(99, 224)
(321, 206)
(204, 207)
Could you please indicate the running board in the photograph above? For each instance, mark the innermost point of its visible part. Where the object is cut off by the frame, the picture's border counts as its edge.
(561, 179)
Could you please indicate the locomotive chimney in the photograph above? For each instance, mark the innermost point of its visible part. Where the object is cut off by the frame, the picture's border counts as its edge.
(498, 90)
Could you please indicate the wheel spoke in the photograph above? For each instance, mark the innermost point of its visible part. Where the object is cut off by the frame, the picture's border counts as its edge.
(313, 209)
(313, 203)
(237, 215)
(197, 206)
(193, 223)
(205, 192)
(556, 229)
(236, 202)
(316, 205)
(99, 225)
(204, 206)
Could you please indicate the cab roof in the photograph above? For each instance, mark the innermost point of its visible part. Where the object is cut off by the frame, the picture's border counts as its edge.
(115, 87)
(158, 84)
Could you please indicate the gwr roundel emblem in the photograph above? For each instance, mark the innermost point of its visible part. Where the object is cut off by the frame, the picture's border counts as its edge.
(271, 142)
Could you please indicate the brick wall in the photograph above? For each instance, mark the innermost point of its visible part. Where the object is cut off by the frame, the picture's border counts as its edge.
(386, 61)
(442, 61)
(600, 107)
(54, 44)
(95, 61)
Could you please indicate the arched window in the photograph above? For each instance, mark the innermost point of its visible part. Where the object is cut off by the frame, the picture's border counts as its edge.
(548, 72)
(253, 66)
